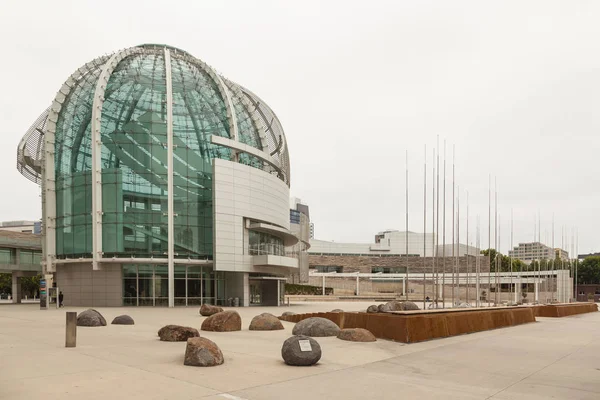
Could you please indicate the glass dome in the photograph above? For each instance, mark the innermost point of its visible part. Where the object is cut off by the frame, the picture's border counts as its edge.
(143, 93)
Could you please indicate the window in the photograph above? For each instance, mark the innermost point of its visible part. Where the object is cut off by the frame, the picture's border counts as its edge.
(327, 268)
(264, 243)
(388, 270)
(7, 256)
(294, 217)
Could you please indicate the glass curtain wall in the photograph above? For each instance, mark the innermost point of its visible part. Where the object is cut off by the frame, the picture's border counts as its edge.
(148, 285)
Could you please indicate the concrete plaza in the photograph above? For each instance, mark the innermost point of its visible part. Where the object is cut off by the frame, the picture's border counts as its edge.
(553, 358)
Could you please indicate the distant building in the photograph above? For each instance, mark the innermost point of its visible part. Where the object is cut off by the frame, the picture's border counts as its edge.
(312, 230)
(300, 226)
(22, 226)
(582, 257)
(536, 251)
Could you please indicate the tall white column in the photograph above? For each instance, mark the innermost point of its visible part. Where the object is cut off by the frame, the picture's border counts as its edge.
(170, 201)
(16, 289)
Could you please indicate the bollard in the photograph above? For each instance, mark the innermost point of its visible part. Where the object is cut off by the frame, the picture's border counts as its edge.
(71, 329)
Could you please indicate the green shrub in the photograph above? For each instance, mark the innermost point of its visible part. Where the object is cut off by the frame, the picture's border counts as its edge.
(306, 290)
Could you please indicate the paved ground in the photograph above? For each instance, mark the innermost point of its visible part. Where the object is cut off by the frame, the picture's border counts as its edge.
(553, 358)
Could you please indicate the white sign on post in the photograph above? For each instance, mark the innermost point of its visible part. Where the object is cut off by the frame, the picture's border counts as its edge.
(305, 345)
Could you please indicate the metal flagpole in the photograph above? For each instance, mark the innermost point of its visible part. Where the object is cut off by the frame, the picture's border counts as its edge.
(433, 250)
(496, 239)
(576, 258)
(453, 227)
(424, 227)
(406, 233)
(458, 241)
(512, 291)
(489, 238)
(477, 267)
(437, 221)
(554, 277)
(444, 233)
(467, 260)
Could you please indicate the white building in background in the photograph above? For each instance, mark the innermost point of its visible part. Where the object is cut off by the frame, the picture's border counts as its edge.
(392, 242)
(21, 226)
(535, 251)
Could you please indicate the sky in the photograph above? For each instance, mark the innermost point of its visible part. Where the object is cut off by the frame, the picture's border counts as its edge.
(364, 90)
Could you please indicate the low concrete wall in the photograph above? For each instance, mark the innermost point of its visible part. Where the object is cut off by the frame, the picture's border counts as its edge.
(417, 326)
(564, 310)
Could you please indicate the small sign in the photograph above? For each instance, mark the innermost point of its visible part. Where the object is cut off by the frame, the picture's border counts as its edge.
(305, 345)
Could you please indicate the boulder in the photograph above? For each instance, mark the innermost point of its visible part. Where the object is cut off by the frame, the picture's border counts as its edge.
(286, 313)
(337, 310)
(225, 321)
(301, 351)
(409, 306)
(380, 308)
(373, 309)
(356, 335)
(90, 317)
(265, 322)
(201, 352)
(207, 310)
(317, 327)
(177, 333)
(399, 306)
(123, 320)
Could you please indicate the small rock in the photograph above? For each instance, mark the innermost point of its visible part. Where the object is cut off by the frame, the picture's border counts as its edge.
(90, 317)
(177, 333)
(226, 321)
(265, 322)
(380, 308)
(337, 310)
(207, 310)
(123, 320)
(293, 354)
(356, 335)
(317, 327)
(286, 313)
(373, 309)
(399, 306)
(201, 352)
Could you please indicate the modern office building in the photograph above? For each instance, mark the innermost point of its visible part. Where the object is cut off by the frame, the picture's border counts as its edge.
(163, 183)
(300, 227)
(536, 251)
(20, 256)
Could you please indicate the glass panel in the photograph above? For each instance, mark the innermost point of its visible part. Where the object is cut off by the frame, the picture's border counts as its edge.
(180, 288)
(193, 286)
(146, 289)
(264, 243)
(129, 289)
(194, 271)
(7, 256)
(129, 271)
(145, 271)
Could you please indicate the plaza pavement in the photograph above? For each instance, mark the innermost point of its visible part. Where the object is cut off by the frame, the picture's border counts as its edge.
(553, 358)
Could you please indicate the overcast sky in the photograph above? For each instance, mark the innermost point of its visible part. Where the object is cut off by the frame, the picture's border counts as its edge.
(514, 85)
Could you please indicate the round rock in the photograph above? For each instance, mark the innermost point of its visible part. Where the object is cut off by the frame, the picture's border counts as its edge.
(177, 333)
(356, 335)
(207, 310)
(123, 320)
(90, 317)
(316, 327)
(373, 309)
(380, 308)
(226, 321)
(201, 352)
(409, 306)
(301, 351)
(265, 322)
(337, 310)
(286, 313)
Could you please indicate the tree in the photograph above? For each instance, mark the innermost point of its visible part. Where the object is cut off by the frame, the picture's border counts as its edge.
(588, 271)
(6, 283)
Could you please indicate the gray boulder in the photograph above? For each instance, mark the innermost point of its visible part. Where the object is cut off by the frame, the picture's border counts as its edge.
(356, 335)
(201, 352)
(317, 327)
(206, 310)
(380, 308)
(337, 310)
(373, 309)
(286, 313)
(226, 321)
(90, 317)
(123, 320)
(399, 306)
(409, 306)
(177, 333)
(265, 322)
(301, 351)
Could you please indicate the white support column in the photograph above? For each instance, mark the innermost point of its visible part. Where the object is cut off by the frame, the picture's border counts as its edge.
(357, 285)
(536, 291)
(323, 285)
(517, 290)
(404, 286)
(278, 294)
(170, 201)
(16, 288)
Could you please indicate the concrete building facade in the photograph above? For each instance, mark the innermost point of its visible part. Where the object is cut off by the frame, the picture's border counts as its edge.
(536, 251)
(163, 184)
(20, 256)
